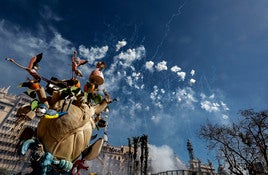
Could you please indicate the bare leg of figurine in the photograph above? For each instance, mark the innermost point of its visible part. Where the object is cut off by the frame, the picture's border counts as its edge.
(42, 96)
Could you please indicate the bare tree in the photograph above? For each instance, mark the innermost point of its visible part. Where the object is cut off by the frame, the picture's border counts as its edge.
(242, 145)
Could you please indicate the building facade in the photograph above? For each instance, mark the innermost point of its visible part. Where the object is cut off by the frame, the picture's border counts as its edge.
(11, 128)
(112, 160)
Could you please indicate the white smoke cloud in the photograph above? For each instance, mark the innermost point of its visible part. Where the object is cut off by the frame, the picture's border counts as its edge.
(161, 66)
(192, 72)
(154, 93)
(203, 96)
(175, 69)
(135, 80)
(132, 54)
(181, 75)
(225, 107)
(192, 81)
(129, 81)
(156, 96)
(211, 104)
(156, 119)
(120, 44)
(133, 108)
(122, 69)
(186, 97)
(163, 159)
(225, 117)
(212, 96)
(22, 45)
(149, 65)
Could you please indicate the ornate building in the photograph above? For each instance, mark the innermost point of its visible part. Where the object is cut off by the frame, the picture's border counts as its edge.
(11, 127)
(112, 160)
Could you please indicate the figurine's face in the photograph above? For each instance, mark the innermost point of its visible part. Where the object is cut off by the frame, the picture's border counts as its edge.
(41, 110)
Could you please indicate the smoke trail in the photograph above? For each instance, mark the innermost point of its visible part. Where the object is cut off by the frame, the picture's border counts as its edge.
(167, 28)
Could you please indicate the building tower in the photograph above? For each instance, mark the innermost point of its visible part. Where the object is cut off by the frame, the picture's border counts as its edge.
(190, 149)
(196, 166)
(194, 163)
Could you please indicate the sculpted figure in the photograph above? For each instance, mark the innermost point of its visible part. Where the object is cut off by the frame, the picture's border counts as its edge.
(68, 117)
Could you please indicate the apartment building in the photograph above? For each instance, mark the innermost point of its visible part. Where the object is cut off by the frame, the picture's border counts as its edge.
(11, 127)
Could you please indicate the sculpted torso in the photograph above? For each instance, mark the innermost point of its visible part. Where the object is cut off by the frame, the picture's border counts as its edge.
(67, 136)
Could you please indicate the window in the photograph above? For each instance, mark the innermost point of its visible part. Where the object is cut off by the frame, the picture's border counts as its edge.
(26, 100)
(2, 107)
(20, 104)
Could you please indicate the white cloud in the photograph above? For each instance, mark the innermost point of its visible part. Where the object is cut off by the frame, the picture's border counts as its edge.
(62, 45)
(120, 44)
(94, 53)
(36, 43)
(175, 69)
(149, 65)
(181, 75)
(49, 14)
(21, 44)
(161, 66)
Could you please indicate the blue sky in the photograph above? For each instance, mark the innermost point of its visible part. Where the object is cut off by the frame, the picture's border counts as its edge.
(173, 64)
